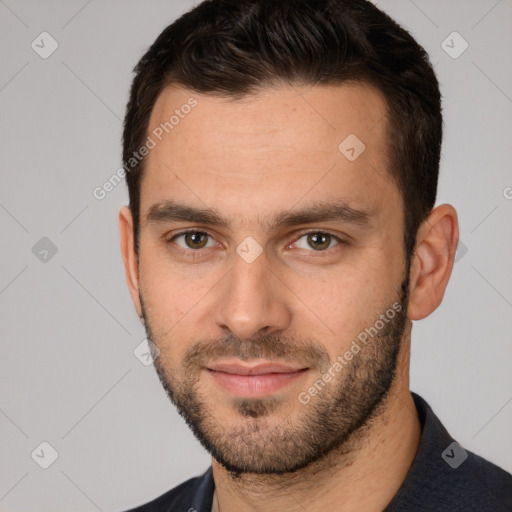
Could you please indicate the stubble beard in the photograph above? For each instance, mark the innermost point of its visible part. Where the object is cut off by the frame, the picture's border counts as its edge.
(259, 444)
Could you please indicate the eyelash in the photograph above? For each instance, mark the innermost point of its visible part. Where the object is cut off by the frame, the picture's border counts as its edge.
(339, 240)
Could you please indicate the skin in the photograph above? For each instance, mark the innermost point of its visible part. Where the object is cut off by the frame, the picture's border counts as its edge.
(278, 150)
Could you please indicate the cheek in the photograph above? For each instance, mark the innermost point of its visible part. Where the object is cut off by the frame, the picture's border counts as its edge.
(170, 287)
(172, 300)
(178, 302)
(338, 306)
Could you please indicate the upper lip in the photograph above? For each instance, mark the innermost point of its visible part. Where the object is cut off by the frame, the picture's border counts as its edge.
(257, 369)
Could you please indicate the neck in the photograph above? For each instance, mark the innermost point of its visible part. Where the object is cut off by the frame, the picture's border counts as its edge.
(364, 474)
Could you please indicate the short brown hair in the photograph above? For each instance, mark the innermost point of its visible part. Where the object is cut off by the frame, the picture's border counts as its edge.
(234, 47)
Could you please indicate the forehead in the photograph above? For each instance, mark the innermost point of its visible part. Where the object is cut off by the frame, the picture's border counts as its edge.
(320, 114)
(280, 144)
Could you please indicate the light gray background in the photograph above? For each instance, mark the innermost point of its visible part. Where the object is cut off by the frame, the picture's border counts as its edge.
(68, 328)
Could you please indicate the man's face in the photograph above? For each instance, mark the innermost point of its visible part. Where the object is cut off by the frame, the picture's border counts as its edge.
(229, 302)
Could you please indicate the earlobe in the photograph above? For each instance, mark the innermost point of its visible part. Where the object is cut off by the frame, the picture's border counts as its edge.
(130, 258)
(432, 264)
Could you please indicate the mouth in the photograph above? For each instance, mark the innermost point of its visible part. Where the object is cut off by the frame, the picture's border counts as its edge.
(257, 380)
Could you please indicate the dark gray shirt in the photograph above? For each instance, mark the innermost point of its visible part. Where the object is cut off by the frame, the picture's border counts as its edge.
(443, 478)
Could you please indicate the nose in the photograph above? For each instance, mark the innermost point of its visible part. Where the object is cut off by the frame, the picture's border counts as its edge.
(253, 300)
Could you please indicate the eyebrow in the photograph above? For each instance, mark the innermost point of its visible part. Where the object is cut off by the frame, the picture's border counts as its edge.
(171, 211)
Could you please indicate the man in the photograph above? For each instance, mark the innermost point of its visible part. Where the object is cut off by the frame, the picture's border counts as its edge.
(282, 161)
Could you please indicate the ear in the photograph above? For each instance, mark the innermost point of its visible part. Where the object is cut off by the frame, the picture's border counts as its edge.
(130, 258)
(432, 263)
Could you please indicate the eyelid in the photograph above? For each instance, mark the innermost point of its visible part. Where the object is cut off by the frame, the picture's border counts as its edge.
(188, 230)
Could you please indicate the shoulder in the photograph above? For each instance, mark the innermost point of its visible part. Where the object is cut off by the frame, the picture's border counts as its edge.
(475, 485)
(487, 486)
(446, 477)
(193, 495)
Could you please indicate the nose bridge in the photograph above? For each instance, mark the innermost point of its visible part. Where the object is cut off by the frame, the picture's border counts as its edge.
(252, 299)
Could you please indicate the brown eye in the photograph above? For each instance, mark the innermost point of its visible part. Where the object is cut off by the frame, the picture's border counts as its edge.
(196, 239)
(319, 241)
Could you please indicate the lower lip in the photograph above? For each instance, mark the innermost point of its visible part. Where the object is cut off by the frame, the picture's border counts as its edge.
(254, 385)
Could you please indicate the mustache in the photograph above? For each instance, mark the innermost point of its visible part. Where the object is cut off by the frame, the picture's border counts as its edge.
(272, 346)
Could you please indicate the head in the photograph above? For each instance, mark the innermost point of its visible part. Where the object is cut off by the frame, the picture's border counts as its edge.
(282, 163)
